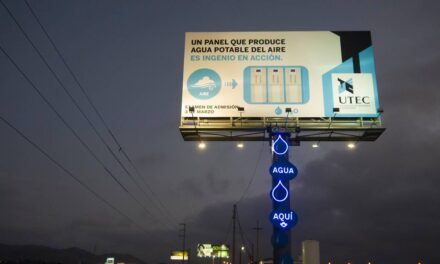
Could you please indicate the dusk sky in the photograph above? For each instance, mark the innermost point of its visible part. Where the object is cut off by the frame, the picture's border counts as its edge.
(379, 202)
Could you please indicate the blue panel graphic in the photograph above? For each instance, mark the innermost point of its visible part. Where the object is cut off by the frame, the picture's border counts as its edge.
(366, 61)
(345, 67)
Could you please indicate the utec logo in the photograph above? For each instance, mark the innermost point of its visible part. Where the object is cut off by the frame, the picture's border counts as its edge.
(347, 87)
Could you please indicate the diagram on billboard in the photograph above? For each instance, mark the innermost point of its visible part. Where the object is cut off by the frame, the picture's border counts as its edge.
(276, 85)
(309, 73)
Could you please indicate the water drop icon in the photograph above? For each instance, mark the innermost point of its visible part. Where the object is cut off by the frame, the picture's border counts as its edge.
(278, 111)
(280, 192)
(280, 146)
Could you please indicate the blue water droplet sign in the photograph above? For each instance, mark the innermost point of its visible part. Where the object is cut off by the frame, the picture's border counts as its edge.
(280, 146)
(279, 193)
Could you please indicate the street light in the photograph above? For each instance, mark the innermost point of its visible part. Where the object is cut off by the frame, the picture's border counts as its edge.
(351, 145)
(242, 250)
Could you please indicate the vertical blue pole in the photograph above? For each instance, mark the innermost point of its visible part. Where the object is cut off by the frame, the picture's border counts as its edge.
(281, 238)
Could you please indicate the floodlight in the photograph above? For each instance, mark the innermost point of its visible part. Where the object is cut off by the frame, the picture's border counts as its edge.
(315, 145)
(240, 145)
(335, 109)
(351, 145)
(240, 109)
(191, 109)
(288, 110)
(202, 145)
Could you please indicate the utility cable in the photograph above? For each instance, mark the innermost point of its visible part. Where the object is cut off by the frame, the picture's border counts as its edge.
(81, 111)
(69, 173)
(253, 175)
(73, 130)
(75, 178)
(120, 148)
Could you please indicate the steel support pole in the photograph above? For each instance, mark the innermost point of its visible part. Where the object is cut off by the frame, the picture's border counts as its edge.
(281, 238)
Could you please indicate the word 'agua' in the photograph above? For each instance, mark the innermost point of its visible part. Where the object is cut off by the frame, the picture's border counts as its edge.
(283, 170)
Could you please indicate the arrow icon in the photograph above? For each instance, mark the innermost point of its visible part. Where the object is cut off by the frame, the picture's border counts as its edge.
(232, 83)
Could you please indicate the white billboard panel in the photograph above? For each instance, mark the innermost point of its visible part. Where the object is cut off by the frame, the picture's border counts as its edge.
(267, 72)
(212, 250)
(179, 255)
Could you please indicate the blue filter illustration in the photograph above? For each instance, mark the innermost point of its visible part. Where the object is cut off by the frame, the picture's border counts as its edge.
(258, 85)
(276, 85)
(204, 84)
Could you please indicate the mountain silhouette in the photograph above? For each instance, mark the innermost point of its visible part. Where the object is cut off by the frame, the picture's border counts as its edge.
(42, 254)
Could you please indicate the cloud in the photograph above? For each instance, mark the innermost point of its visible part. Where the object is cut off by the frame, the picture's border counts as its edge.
(205, 82)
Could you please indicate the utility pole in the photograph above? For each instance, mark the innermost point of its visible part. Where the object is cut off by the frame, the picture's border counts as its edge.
(252, 256)
(257, 229)
(183, 236)
(234, 215)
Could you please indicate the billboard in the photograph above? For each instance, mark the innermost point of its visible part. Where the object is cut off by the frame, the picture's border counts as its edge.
(178, 255)
(210, 250)
(310, 72)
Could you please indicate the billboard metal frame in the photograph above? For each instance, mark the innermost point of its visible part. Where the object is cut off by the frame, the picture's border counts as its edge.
(301, 129)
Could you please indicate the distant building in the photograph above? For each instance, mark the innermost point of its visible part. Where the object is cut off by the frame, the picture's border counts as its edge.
(310, 252)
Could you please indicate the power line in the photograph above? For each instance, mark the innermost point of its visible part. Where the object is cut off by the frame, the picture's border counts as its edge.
(253, 175)
(84, 115)
(69, 173)
(161, 205)
(71, 129)
(63, 86)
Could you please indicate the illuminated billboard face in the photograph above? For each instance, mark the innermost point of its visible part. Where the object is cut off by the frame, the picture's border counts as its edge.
(210, 250)
(178, 255)
(266, 72)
